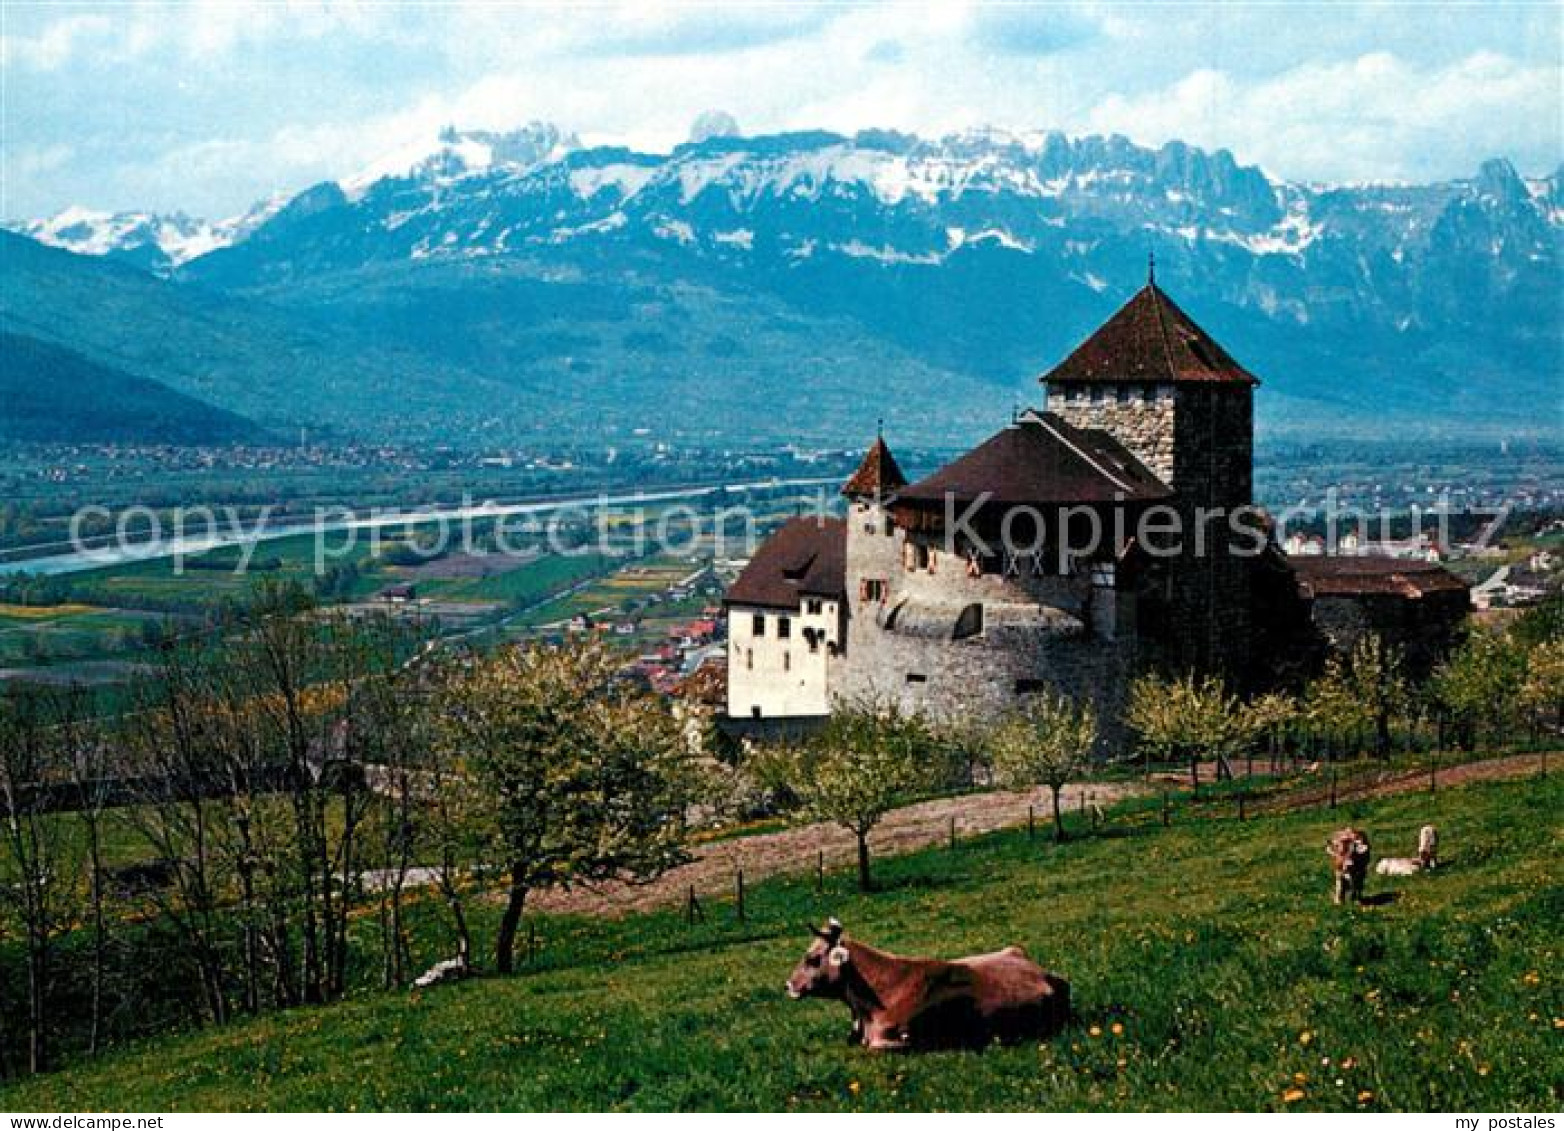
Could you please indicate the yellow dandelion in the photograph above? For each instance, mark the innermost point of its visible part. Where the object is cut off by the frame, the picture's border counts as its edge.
(1305, 1037)
(1118, 1029)
(1482, 1070)
(854, 1087)
(1292, 1095)
(1095, 1031)
(1300, 1077)
(1365, 1096)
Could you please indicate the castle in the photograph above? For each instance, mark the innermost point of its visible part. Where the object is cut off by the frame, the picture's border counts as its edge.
(1111, 532)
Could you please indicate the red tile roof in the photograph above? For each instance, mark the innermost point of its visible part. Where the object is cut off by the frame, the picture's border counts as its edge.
(878, 476)
(1319, 575)
(1040, 459)
(1149, 339)
(707, 684)
(806, 556)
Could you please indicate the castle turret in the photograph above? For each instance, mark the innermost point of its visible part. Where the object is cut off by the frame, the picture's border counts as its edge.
(1175, 398)
(873, 541)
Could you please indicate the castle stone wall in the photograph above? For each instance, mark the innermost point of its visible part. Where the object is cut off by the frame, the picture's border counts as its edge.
(1139, 416)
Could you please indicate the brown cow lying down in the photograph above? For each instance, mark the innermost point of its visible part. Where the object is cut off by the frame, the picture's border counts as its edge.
(1348, 850)
(921, 1003)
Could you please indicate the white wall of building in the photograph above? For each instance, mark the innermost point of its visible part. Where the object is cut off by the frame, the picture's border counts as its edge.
(782, 676)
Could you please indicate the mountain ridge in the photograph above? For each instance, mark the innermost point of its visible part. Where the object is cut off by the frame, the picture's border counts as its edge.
(974, 260)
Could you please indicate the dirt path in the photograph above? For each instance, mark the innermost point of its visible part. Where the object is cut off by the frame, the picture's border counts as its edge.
(1390, 782)
(716, 865)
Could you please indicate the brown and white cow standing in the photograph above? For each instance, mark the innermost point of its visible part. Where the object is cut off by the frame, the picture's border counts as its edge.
(1348, 850)
(921, 1003)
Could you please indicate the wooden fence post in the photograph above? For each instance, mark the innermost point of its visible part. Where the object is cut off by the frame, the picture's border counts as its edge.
(820, 872)
(692, 909)
(1333, 784)
(739, 894)
(1031, 821)
(1241, 805)
(1433, 771)
(1165, 814)
(532, 942)
(953, 834)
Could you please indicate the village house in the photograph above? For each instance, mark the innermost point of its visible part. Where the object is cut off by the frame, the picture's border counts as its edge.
(1110, 532)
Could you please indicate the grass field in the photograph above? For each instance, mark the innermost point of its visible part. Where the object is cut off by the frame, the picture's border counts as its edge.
(1210, 971)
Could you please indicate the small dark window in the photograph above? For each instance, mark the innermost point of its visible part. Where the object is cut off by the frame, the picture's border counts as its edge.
(758, 625)
(872, 589)
(812, 608)
(787, 661)
(890, 526)
(784, 628)
(917, 677)
(754, 712)
(969, 623)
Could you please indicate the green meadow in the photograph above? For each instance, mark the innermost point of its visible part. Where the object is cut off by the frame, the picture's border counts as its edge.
(1210, 971)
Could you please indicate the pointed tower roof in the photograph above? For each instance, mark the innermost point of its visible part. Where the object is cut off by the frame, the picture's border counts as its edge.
(877, 476)
(1149, 339)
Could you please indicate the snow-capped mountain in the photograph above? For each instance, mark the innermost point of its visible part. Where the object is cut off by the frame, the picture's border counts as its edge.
(454, 154)
(736, 261)
(154, 242)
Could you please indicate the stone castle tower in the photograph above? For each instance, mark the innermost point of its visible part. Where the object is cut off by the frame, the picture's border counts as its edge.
(873, 547)
(1169, 393)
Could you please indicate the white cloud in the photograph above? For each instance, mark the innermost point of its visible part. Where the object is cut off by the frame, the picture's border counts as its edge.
(56, 44)
(208, 104)
(1374, 117)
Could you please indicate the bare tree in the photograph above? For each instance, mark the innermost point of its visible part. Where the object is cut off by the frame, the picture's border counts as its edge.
(40, 858)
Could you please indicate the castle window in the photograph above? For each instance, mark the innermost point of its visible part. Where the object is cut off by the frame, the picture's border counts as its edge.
(969, 623)
(890, 526)
(812, 638)
(757, 625)
(1126, 394)
(915, 556)
(872, 589)
(917, 677)
(787, 661)
(749, 659)
(784, 628)
(812, 608)
(754, 712)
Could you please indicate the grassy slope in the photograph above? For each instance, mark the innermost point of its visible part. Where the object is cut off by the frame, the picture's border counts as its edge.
(1214, 946)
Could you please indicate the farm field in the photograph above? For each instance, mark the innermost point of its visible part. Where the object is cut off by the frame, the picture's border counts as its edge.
(1210, 972)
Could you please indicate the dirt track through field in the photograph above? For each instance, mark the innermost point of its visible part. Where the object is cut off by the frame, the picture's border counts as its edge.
(714, 871)
(1392, 782)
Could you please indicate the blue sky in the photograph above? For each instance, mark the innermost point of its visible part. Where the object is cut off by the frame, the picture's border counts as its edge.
(206, 106)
